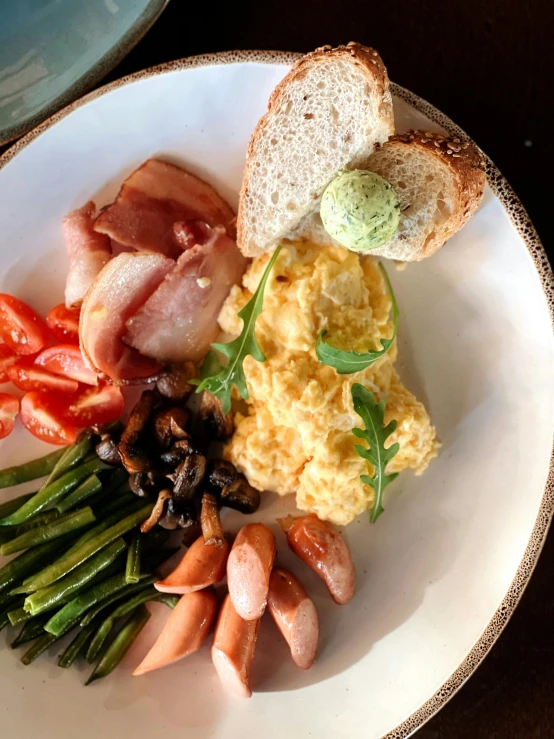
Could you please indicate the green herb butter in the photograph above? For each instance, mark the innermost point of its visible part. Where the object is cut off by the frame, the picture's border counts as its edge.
(360, 210)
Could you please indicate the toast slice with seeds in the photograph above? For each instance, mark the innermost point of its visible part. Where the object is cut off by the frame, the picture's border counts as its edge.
(440, 183)
(330, 111)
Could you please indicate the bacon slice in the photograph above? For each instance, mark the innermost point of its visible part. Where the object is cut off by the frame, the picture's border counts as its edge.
(123, 285)
(88, 252)
(152, 199)
(179, 321)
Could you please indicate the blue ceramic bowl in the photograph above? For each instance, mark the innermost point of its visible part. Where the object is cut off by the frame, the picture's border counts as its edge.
(52, 51)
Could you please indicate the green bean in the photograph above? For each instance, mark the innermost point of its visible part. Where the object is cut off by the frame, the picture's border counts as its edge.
(86, 490)
(8, 533)
(25, 564)
(121, 644)
(77, 646)
(38, 647)
(115, 597)
(147, 594)
(8, 606)
(72, 456)
(29, 471)
(10, 506)
(62, 526)
(132, 568)
(73, 559)
(18, 616)
(111, 486)
(50, 494)
(73, 610)
(59, 591)
(32, 629)
(105, 523)
(116, 502)
(39, 520)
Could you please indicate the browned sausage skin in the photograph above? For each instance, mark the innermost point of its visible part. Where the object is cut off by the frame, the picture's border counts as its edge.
(325, 551)
(202, 565)
(248, 570)
(233, 650)
(295, 615)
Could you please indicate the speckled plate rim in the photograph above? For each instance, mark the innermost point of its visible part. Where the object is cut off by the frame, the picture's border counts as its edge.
(521, 222)
(88, 79)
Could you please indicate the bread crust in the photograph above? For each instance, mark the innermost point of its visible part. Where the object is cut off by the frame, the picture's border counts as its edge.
(467, 167)
(363, 57)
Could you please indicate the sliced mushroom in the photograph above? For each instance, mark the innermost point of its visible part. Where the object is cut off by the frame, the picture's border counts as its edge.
(240, 495)
(221, 473)
(133, 446)
(179, 451)
(168, 420)
(212, 530)
(157, 511)
(108, 451)
(188, 477)
(175, 384)
(144, 484)
(218, 426)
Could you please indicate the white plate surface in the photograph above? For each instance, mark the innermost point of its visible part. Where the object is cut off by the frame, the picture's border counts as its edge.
(475, 344)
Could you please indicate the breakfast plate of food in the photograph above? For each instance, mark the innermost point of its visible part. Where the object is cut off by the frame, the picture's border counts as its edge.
(276, 408)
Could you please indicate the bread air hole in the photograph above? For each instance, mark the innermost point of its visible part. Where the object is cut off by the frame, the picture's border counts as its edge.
(308, 116)
(274, 198)
(320, 85)
(273, 142)
(291, 206)
(334, 114)
(401, 185)
(430, 178)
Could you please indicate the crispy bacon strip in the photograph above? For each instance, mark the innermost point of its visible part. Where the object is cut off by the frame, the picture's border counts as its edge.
(88, 252)
(152, 199)
(179, 321)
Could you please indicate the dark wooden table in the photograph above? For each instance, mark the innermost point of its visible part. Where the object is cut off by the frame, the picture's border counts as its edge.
(489, 64)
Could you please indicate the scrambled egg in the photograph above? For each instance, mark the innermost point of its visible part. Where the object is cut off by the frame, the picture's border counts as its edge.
(297, 436)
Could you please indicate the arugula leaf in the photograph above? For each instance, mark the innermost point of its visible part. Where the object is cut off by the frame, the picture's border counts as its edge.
(375, 434)
(219, 380)
(346, 363)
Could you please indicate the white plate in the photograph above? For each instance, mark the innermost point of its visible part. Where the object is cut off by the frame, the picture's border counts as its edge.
(442, 571)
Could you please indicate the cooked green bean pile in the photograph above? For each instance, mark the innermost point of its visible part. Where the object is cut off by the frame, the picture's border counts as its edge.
(81, 565)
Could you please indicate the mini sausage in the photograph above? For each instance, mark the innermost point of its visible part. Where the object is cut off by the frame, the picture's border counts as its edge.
(295, 615)
(202, 565)
(325, 551)
(248, 570)
(184, 631)
(233, 650)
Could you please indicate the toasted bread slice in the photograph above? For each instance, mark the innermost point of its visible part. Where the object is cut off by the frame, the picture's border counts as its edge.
(330, 111)
(439, 182)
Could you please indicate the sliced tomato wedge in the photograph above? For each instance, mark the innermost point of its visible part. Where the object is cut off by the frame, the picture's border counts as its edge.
(64, 323)
(26, 375)
(95, 405)
(7, 358)
(9, 408)
(42, 414)
(67, 360)
(21, 328)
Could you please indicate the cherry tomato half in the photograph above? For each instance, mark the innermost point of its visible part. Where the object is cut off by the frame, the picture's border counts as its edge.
(95, 405)
(7, 358)
(21, 328)
(67, 360)
(27, 376)
(64, 323)
(42, 414)
(9, 408)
